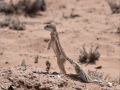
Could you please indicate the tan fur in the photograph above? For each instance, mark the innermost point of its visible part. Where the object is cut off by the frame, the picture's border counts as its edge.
(55, 43)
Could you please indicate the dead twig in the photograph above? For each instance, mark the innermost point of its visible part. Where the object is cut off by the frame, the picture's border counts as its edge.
(48, 64)
(36, 59)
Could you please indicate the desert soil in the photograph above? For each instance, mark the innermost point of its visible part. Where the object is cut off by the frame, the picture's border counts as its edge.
(95, 26)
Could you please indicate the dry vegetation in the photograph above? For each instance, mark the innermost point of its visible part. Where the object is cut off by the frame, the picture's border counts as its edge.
(22, 6)
(100, 76)
(13, 23)
(90, 57)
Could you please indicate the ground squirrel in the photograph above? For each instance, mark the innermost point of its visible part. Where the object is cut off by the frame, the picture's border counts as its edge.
(61, 57)
(58, 50)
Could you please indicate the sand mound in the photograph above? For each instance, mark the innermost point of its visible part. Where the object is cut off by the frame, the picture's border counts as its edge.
(24, 78)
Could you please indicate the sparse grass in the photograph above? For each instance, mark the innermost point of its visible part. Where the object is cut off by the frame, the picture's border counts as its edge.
(100, 76)
(90, 57)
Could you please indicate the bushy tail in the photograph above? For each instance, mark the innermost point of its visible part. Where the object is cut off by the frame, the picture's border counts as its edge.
(80, 71)
(83, 74)
(72, 62)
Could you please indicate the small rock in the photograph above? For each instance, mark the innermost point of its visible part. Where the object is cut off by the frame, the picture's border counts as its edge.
(6, 62)
(44, 56)
(29, 85)
(12, 88)
(11, 79)
(37, 85)
(58, 76)
(98, 67)
(1, 53)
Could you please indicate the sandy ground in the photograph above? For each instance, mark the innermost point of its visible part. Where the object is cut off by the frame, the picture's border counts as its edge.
(96, 25)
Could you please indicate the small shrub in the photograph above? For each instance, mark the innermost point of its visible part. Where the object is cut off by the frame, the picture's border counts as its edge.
(5, 22)
(90, 57)
(22, 6)
(13, 23)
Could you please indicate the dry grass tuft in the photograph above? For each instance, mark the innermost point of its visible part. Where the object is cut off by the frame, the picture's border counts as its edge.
(90, 57)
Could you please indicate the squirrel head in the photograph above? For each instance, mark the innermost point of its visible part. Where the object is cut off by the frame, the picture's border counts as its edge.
(50, 27)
